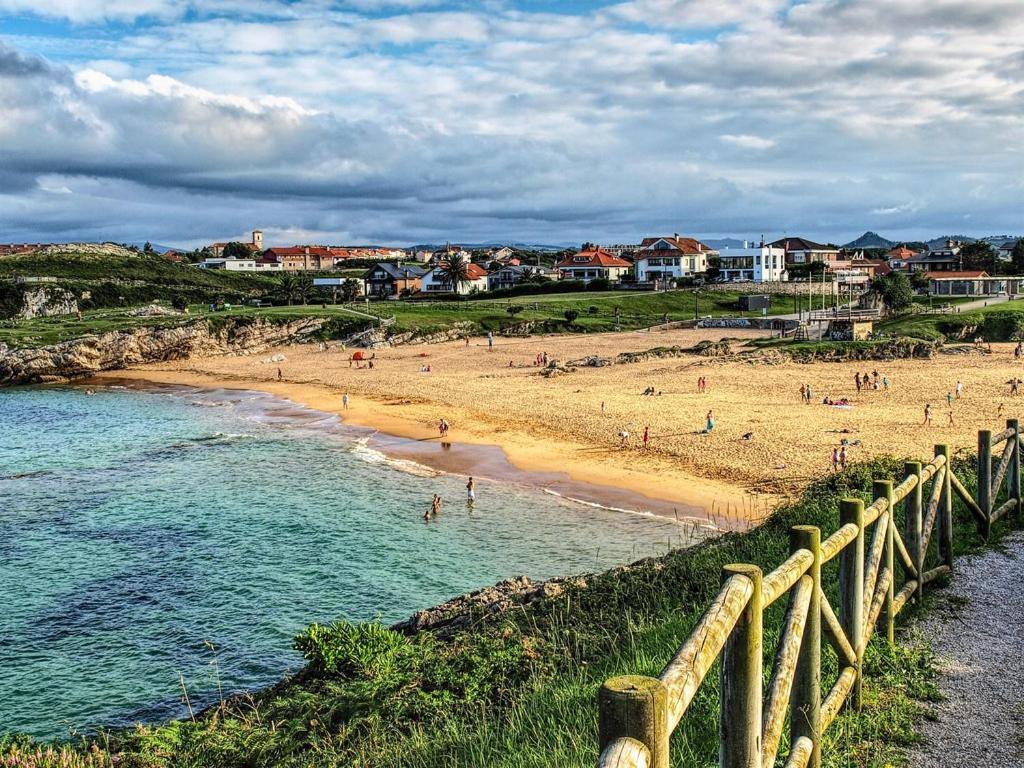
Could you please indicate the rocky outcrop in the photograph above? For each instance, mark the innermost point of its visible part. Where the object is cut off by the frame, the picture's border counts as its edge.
(381, 337)
(120, 349)
(46, 301)
(448, 618)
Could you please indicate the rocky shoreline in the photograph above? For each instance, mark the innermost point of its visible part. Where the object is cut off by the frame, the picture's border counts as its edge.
(117, 350)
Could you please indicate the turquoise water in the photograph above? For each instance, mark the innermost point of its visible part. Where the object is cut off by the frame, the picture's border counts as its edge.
(147, 535)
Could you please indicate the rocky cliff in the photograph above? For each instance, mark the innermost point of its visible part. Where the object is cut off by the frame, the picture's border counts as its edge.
(119, 349)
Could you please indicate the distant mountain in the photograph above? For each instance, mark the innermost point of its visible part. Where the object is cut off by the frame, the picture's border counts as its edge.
(870, 240)
(156, 246)
(496, 244)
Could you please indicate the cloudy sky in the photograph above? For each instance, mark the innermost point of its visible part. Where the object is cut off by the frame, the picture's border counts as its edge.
(401, 121)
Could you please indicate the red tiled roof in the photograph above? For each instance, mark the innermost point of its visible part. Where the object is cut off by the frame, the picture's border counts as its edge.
(900, 252)
(967, 274)
(684, 244)
(596, 258)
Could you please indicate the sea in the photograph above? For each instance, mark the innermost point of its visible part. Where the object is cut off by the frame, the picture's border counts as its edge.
(162, 541)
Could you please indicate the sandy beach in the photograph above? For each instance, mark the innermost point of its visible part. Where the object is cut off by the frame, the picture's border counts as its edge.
(558, 424)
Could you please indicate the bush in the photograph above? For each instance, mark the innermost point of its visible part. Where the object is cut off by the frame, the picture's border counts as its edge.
(570, 316)
(593, 310)
(514, 309)
(600, 284)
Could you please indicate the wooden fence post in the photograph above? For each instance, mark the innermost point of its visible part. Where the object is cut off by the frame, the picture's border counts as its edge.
(883, 489)
(985, 481)
(636, 707)
(851, 589)
(944, 523)
(742, 680)
(1014, 424)
(914, 523)
(805, 699)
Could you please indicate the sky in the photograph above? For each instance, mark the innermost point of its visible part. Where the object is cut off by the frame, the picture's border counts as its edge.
(421, 121)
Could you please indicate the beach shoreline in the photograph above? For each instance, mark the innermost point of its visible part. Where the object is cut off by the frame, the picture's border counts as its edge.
(472, 449)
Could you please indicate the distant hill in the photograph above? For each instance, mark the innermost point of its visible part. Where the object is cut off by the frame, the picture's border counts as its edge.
(870, 240)
(940, 242)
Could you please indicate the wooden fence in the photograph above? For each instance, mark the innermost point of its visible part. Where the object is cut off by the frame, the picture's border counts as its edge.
(882, 566)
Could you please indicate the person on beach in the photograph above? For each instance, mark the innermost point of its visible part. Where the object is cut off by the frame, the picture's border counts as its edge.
(647, 436)
(999, 411)
(279, 374)
(602, 406)
(951, 423)
(490, 341)
(344, 401)
(959, 389)
(885, 383)
(624, 438)
(835, 459)
(470, 491)
(467, 341)
(709, 422)
(949, 399)
(810, 394)
(856, 380)
(927, 414)
(803, 393)
(1014, 385)
(842, 457)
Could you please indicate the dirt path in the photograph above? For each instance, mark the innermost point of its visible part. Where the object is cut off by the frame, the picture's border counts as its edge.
(978, 632)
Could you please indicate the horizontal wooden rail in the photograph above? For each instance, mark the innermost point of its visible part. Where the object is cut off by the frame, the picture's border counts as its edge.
(882, 567)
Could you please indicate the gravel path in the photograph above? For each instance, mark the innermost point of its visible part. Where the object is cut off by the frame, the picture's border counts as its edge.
(978, 632)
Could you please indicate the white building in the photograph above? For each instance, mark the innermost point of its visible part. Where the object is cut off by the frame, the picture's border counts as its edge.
(760, 264)
(671, 258)
(231, 265)
(434, 281)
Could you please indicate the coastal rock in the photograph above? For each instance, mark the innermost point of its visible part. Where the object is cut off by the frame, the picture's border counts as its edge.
(463, 611)
(380, 337)
(47, 302)
(120, 349)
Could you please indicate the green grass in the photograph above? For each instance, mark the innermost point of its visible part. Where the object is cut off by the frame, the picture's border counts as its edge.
(636, 310)
(1003, 321)
(518, 690)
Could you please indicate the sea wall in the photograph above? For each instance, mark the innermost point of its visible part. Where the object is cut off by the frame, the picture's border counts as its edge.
(120, 349)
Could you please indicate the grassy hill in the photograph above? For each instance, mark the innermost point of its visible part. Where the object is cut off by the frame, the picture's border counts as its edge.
(1003, 321)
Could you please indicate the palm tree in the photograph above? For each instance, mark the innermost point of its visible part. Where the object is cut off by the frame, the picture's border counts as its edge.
(290, 286)
(454, 271)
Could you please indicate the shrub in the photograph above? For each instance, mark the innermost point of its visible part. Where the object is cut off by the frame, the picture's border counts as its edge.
(570, 316)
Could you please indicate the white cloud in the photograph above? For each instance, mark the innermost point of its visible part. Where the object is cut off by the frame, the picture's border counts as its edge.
(747, 141)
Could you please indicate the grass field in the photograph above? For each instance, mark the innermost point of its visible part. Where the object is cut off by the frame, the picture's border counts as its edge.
(596, 312)
(519, 689)
(1003, 321)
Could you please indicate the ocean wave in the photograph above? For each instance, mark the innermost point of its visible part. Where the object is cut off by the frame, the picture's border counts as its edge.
(362, 451)
(27, 475)
(222, 437)
(210, 403)
(595, 505)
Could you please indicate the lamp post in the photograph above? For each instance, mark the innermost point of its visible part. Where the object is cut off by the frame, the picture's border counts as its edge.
(695, 294)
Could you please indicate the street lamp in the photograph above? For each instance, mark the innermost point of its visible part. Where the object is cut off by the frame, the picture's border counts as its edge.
(695, 294)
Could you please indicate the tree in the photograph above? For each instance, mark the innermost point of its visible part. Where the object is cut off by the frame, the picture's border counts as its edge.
(895, 290)
(454, 271)
(290, 286)
(513, 309)
(148, 247)
(350, 290)
(570, 316)
(235, 250)
(979, 255)
(1017, 258)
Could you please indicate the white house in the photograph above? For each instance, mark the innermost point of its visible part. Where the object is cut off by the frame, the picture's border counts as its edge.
(593, 265)
(670, 258)
(231, 265)
(760, 264)
(434, 281)
(512, 275)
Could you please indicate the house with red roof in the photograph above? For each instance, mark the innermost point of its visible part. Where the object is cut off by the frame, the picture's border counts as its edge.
(436, 281)
(593, 264)
(320, 258)
(671, 258)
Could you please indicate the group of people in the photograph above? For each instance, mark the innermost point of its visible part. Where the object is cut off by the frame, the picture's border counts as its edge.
(870, 382)
(702, 385)
(541, 359)
(839, 458)
(437, 502)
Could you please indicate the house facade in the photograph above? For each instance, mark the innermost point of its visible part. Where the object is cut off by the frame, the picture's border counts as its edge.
(229, 265)
(593, 265)
(671, 258)
(760, 264)
(387, 279)
(320, 258)
(800, 250)
(513, 274)
(434, 281)
(946, 259)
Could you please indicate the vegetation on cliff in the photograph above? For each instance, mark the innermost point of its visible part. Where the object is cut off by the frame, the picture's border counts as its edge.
(517, 688)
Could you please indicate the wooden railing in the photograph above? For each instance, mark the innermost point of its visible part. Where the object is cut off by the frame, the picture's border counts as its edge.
(877, 578)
